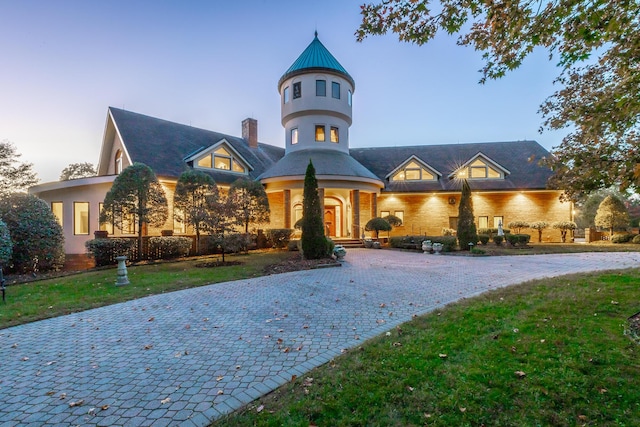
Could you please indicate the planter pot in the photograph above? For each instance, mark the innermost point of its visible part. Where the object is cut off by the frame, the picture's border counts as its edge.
(437, 248)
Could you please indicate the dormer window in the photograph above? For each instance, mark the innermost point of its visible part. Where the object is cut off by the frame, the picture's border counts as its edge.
(481, 168)
(222, 159)
(413, 171)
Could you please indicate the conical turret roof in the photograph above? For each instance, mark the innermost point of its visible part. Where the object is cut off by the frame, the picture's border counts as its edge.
(316, 57)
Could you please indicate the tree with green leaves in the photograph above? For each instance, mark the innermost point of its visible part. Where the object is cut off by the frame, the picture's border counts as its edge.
(564, 227)
(136, 195)
(221, 224)
(252, 204)
(195, 196)
(517, 226)
(78, 170)
(15, 177)
(6, 245)
(314, 242)
(539, 226)
(377, 224)
(612, 214)
(596, 46)
(467, 232)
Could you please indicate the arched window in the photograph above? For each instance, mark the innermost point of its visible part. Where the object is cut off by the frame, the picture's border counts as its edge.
(118, 162)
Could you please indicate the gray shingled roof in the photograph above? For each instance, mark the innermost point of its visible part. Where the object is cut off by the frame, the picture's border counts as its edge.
(518, 157)
(325, 162)
(163, 145)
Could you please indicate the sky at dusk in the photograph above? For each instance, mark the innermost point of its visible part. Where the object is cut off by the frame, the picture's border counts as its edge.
(210, 64)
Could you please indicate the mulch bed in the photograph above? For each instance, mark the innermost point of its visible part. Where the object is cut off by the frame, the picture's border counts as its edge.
(296, 263)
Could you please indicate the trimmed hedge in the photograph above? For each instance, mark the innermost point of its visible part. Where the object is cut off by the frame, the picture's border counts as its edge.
(105, 251)
(636, 239)
(518, 239)
(621, 238)
(498, 239)
(167, 247)
(449, 243)
(279, 237)
(492, 231)
(483, 238)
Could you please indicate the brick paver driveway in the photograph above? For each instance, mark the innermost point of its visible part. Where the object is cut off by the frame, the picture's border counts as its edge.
(187, 357)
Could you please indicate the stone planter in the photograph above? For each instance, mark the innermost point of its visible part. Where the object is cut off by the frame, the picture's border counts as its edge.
(437, 248)
(368, 243)
(339, 251)
(427, 246)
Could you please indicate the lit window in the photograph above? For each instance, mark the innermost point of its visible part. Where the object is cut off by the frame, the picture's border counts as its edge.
(205, 162)
(56, 208)
(118, 162)
(105, 226)
(294, 136)
(297, 90)
(479, 170)
(335, 90)
(128, 224)
(334, 134)
(297, 213)
(384, 214)
(179, 222)
(483, 222)
(413, 172)
(400, 214)
(221, 159)
(321, 88)
(498, 221)
(349, 97)
(237, 167)
(80, 218)
(320, 133)
(223, 163)
(285, 95)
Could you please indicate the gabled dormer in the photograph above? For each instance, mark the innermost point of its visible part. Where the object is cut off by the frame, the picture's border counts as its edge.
(414, 169)
(220, 157)
(480, 167)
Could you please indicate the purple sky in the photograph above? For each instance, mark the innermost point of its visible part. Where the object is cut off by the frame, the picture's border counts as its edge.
(211, 64)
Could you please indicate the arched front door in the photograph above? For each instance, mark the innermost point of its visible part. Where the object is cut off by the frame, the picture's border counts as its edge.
(330, 220)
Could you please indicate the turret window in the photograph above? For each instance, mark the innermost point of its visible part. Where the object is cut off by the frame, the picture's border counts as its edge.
(297, 90)
(294, 136)
(349, 97)
(335, 90)
(321, 88)
(334, 135)
(285, 95)
(320, 136)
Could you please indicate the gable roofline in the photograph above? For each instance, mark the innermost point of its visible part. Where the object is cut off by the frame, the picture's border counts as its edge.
(479, 154)
(223, 142)
(111, 130)
(417, 159)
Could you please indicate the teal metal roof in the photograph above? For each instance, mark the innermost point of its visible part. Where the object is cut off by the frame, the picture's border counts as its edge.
(316, 57)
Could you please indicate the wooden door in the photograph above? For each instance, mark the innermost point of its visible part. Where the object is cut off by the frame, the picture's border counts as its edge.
(330, 221)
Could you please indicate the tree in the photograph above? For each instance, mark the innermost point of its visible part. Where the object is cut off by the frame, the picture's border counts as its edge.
(314, 243)
(136, 195)
(612, 214)
(193, 200)
(518, 225)
(221, 223)
(377, 224)
(77, 170)
(564, 227)
(466, 221)
(539, 226)
(251, 202)
(36, 235)
(599, 58)
(14, 176)
(6, 245)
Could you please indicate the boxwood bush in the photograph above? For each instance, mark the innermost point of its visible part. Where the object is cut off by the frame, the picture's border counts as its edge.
(498, 239)
(105, 251)
(449, 243)
(483, 238)
(168, 247)
(279, 237)
(636, 239)
(492, 231)
(621, 238)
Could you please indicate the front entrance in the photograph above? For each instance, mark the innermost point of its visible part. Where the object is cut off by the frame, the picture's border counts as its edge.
(330, 221)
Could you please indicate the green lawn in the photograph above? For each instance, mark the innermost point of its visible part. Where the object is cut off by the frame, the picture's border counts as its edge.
(551, 352)
(41, 299)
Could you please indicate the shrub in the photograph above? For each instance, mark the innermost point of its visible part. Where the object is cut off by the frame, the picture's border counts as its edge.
(483, 238)
(377, 224)
(513, 239)
(279, 237)
(499, 239)
(448, 231)
(235, 242)
(539, 226)
(518, 225)
(36, 235)
(105, 251)
(621, 238)
(6, 246)
(636, 239)
(523, 239)
(466, 224)
(415, 242)
(167, 247)
(488, 231)
(564, 227)
(477, 251)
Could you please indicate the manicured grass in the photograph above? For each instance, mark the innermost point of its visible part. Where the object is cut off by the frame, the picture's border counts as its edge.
(557, 248)
(62, 295)
(551, 352)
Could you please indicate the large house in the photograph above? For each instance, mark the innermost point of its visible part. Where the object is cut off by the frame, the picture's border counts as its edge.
(419, 184)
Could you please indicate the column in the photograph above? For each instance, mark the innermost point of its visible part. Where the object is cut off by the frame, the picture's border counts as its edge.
(287, 209)
(374, 205)
(356, 214)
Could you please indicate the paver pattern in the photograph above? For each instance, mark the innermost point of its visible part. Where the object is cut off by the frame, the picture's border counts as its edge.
(188, 357)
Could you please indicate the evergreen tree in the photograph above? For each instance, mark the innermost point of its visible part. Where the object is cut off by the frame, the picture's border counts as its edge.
(195, 196)
(612, 214)
(252, 204)
(466, 222)
(314, 243)
(14, 176)
(137, 193)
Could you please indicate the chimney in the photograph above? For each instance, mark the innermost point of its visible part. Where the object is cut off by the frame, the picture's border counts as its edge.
(250, 132)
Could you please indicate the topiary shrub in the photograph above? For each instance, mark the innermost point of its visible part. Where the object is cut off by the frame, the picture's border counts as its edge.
(636, 239)
(38, 242)
(377, 224)
(6, 246)
(523, 239)
(621, 238)
(105, 251)
(518, 225)
(483, 238)
(539, 226)
(512, 239)
(279, 237)
(466, 223)
(564, 227)
(498, 240)
(168, 247)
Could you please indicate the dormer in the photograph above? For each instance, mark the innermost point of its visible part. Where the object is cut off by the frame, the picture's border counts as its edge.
(413, 169)
(220, 157)
(480, 167)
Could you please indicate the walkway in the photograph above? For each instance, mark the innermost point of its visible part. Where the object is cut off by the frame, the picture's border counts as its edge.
(187, 357)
